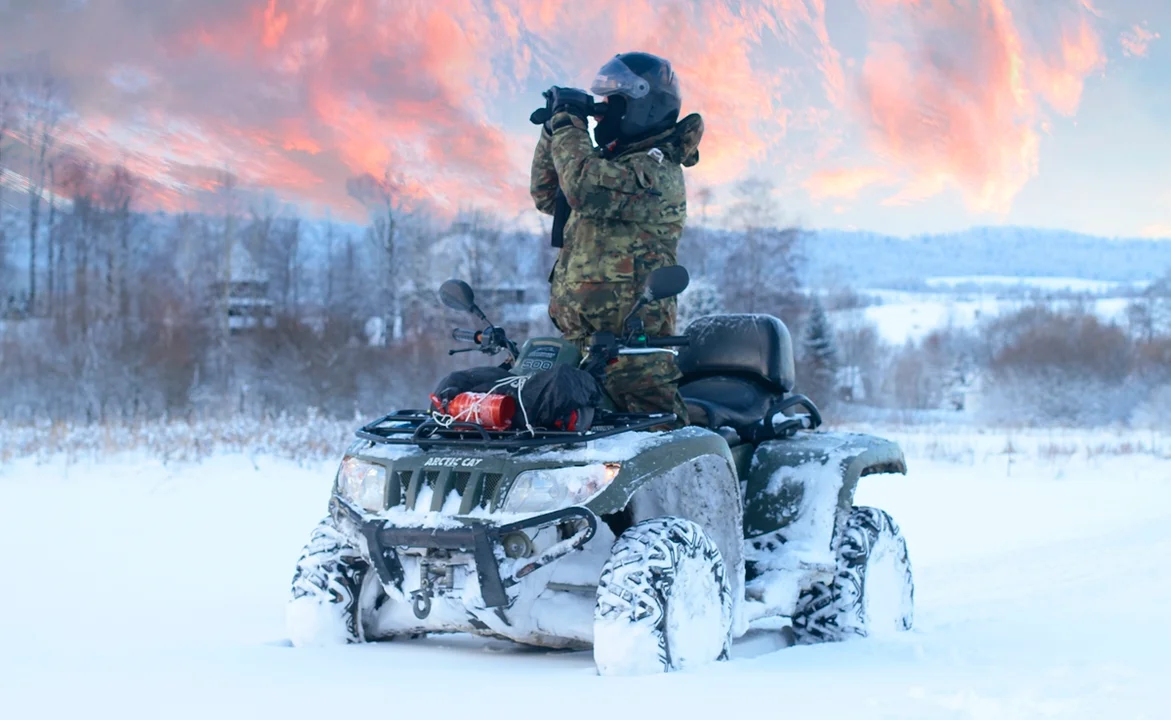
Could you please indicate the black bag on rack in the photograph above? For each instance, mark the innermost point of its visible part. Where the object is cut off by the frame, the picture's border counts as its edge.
(563, 398)
(477, 379)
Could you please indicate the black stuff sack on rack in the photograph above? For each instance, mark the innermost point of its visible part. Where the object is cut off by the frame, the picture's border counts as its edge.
(477, 379)
(563, 398)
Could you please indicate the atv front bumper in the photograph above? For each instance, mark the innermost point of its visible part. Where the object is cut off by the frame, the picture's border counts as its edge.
(483, 539)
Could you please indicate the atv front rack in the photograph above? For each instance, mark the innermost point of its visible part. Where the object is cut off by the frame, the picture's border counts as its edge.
(417, 427)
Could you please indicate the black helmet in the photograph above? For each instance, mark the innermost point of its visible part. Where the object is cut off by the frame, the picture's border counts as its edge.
(644, 94)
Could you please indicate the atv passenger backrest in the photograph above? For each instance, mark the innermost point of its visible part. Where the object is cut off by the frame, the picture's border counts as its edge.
(756, 346)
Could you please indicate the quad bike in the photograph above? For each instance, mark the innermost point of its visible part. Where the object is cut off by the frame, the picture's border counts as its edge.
(655, 549)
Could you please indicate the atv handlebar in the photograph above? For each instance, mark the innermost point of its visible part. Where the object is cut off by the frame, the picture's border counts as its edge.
(605, 347)
(647, 345)
(491, 340)
(782, 425)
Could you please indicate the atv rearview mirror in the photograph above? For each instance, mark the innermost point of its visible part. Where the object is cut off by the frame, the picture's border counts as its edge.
(667, 282)
(458, 295)
(662, 283)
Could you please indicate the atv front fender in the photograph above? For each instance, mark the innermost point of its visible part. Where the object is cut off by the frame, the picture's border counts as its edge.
(789, 477)
(657, 457)
(688, 474)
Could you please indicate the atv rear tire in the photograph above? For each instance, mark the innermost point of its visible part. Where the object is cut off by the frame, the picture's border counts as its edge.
(327, 591)
(663, 601)
(873, 592)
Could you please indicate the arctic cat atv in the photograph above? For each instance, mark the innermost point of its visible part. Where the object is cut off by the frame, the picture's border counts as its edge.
(656, 549)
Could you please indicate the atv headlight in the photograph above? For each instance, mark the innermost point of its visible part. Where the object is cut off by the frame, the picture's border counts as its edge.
(363, 484)
(555, 488)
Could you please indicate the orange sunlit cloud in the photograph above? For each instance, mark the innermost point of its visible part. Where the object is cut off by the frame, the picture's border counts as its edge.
(1063, 82)
(1156, 230)
(300, 96)
(959, 102)
(1137, 41)
(844, 183)
(274, 25)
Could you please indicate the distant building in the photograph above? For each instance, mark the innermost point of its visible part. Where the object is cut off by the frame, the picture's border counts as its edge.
(249, 305)
(521, 310)
(851, 385)
(492, 267)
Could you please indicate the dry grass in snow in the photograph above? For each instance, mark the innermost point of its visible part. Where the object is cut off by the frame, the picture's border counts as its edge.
(303, 439)
(311, 438)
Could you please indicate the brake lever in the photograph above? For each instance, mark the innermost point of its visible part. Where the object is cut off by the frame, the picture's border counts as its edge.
(462, 350)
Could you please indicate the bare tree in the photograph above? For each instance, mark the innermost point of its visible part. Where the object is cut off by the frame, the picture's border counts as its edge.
(42, 113)
(285, 243)
(117, 196)
(475, 253)
(861, 350)
(274, 242)
(350, 271)
(78, 182)
(327, 300)
(7, 121)
(762, 272)
(703, 249)
(291, 245)
(1149, 315)
(382, 199)
(226, 184)
(52, 240)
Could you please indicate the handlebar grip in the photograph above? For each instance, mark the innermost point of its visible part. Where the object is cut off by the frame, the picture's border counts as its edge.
(472, 336)
(668, 341)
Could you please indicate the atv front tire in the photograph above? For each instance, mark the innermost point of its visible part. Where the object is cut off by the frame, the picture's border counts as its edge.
(873, 592)
(664, 601)
(327, 591)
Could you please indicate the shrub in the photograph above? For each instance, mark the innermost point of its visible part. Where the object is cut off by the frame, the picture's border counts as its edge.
(1070, 367)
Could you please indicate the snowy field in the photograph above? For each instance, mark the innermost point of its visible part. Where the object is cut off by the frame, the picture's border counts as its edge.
(135, 589)
(904, 315)
(1014, 282)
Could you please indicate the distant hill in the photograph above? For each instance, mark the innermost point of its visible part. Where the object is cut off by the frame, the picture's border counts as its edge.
(844, 257)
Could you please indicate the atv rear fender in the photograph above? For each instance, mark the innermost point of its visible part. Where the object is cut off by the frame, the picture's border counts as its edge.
(789, 477)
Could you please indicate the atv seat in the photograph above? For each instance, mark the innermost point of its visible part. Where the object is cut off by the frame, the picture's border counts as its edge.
(736, 368)
(734, 402)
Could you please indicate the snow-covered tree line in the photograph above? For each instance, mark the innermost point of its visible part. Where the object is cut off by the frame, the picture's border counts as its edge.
(1047, 363)
(246, 307)
(241, 309)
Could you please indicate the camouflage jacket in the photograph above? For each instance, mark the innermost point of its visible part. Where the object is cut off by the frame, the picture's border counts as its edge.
(628, 209)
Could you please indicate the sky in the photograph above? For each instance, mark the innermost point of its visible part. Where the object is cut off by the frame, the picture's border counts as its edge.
(896, 116)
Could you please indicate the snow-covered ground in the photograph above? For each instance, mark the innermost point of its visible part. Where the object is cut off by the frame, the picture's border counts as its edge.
(1001, 282)
(137, 590)
(904, 316)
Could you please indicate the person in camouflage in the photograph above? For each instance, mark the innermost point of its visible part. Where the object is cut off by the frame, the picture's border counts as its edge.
(627, 205)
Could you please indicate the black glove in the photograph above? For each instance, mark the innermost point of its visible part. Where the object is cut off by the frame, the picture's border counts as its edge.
(541, 116)
(571, 100)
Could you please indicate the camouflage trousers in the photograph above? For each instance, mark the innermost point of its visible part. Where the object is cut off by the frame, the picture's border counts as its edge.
(636, 383)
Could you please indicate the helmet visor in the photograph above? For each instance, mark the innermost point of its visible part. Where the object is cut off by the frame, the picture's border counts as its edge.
(615, 78)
